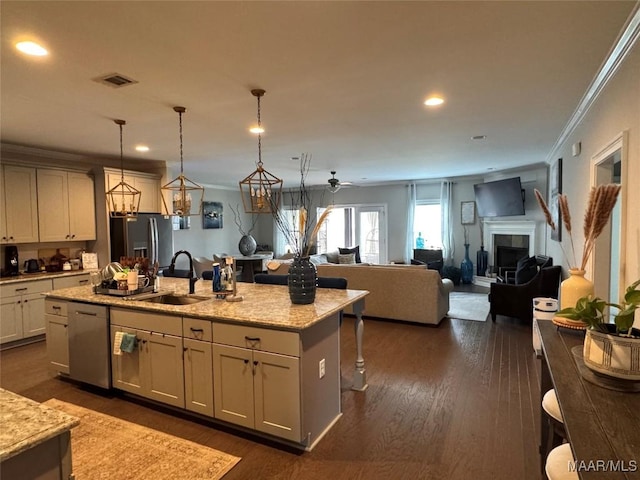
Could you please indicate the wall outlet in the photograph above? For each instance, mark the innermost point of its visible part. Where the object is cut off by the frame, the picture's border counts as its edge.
(321, 368)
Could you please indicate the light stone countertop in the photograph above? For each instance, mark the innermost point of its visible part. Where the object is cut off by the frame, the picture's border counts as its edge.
(263, 305)
(26, 423)
(28, 277)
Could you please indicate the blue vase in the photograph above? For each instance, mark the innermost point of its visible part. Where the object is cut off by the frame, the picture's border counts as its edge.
(482, 261)
(466, 266)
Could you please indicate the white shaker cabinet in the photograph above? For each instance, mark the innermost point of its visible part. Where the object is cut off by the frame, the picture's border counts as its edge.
(155, 368)
(198, 365)
(255, 388)
(18, 205)
(22, 310)
(57, 335)
(66, 206)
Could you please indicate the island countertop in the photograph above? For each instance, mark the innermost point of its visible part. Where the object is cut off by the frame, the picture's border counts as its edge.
(26, 423)
(28, 277)
(263, 305)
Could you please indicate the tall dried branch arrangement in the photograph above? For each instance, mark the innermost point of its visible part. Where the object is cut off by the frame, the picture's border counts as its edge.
(301, 230)
(602, 200)
(237, 219)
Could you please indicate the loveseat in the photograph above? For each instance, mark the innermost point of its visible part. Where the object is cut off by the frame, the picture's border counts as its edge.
(412, 293)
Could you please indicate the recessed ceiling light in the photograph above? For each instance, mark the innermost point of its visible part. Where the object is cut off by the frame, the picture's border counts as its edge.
(256, 130)
(434, 101)
(479, 137)
(32, 48)
(142, 148)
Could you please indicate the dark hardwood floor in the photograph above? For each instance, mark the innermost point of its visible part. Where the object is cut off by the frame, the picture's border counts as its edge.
(458, 401)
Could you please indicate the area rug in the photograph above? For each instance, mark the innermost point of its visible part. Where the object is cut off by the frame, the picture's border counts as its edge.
(468, 306)
(105, 447)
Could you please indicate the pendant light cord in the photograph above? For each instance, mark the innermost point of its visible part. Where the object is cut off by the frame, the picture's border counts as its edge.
(259, 135)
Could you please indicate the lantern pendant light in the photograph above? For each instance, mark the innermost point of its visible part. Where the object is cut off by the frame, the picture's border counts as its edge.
(123, 199)
(260, 191)
(181, 191)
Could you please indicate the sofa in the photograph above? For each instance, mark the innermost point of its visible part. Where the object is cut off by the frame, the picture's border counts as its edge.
(412, 293)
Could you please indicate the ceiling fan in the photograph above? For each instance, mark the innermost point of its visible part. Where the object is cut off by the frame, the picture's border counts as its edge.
(334, 183)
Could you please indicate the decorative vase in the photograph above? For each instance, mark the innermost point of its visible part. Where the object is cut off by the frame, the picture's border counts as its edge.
(302, 281)
(612, 355)
(247, 245)
(574, 288)
(466, 266)
(482, 259)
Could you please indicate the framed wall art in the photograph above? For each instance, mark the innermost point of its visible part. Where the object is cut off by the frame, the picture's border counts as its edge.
(212, 215)
(468, 213)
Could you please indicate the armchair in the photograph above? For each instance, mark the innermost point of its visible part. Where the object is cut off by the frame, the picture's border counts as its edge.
(517, 300)
(431, 258)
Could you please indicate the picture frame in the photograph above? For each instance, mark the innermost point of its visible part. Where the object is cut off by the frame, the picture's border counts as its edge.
(555, 189)
(212, 215)
(468, 213)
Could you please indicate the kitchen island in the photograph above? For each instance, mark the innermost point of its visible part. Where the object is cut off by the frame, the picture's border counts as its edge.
(35, 439)
(262, 364)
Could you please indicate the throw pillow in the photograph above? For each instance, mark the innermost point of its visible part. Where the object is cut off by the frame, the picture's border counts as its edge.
(355, 250)
(347, 259)
(318, 259)
(332, 257)
(526, 270)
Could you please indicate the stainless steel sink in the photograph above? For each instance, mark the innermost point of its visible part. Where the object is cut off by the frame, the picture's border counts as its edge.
(171, 298)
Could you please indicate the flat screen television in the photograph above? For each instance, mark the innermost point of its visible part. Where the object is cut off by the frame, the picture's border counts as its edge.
(502, 198)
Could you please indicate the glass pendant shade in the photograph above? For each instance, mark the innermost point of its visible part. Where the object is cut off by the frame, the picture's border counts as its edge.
(260, 190)
(123, 200)
(183, 194)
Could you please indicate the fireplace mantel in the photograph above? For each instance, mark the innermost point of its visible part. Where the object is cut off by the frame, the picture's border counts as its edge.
(518, 227)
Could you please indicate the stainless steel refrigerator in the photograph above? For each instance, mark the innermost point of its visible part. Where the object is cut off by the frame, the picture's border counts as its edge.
(147, 235)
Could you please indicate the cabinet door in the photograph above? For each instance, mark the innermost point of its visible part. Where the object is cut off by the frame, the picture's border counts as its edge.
(53, 205)
(57, 343)
(33, 321)
(82, 210)
(198, 376)
(10, 319)
(277, 395)
(233, 385)
(127, 371)
(165, 370)
(19, 205)
(149, 194)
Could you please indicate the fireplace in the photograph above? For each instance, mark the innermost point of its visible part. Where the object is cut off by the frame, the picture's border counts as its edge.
(515, 239)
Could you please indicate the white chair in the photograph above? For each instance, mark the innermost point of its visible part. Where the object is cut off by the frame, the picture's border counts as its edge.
(557, 434)
(201, 264)
(558, 464)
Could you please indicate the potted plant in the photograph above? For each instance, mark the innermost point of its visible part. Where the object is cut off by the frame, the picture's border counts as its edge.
(611, 349)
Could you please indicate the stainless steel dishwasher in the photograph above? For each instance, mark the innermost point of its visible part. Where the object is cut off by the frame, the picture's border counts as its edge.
(89, 344)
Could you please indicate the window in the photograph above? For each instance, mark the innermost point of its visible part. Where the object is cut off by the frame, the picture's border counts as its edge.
(351, 225)
(427, 224)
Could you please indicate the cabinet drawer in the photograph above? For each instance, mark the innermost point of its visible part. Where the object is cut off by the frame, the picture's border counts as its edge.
(196, 328)
(25, 288)
(276, 341)
(72, 281)
(152, 322)
(55, 307)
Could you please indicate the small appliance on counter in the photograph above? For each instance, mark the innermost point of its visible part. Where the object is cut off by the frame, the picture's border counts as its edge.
(32, 265)
(11, 262)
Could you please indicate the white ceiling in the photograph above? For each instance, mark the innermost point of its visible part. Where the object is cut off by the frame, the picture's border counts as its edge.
(345, 82)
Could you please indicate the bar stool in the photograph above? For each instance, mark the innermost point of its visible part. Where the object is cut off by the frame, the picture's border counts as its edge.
(557, 434)
(558, 461)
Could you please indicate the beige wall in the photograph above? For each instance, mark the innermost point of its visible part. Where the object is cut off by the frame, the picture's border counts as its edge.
(616, 110)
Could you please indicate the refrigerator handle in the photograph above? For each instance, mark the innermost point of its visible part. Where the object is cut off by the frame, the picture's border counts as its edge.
(153, 234)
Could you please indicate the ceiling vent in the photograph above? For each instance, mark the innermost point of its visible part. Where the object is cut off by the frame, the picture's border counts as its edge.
(115, 80)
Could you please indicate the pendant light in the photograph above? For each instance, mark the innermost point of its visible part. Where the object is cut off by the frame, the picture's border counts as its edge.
(180, 189)
(260, 190)
(123, 199)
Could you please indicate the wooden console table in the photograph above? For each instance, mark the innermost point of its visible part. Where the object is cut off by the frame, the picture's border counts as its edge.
(602, 425)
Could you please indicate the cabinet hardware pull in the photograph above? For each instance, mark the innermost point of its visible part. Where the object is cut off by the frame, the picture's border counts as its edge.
(200, 330)
(252, 339)
(91, 314)
(184, 349)
(21, 289)
(255, 362)
(83, 282)
(56, 307)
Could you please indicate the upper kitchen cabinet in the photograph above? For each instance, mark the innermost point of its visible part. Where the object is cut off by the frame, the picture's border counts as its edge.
(66, 206)
(147, 183)
(18, 205)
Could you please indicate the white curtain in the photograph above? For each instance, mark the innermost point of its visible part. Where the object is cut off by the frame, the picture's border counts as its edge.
(411, 207)
(446, 204)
